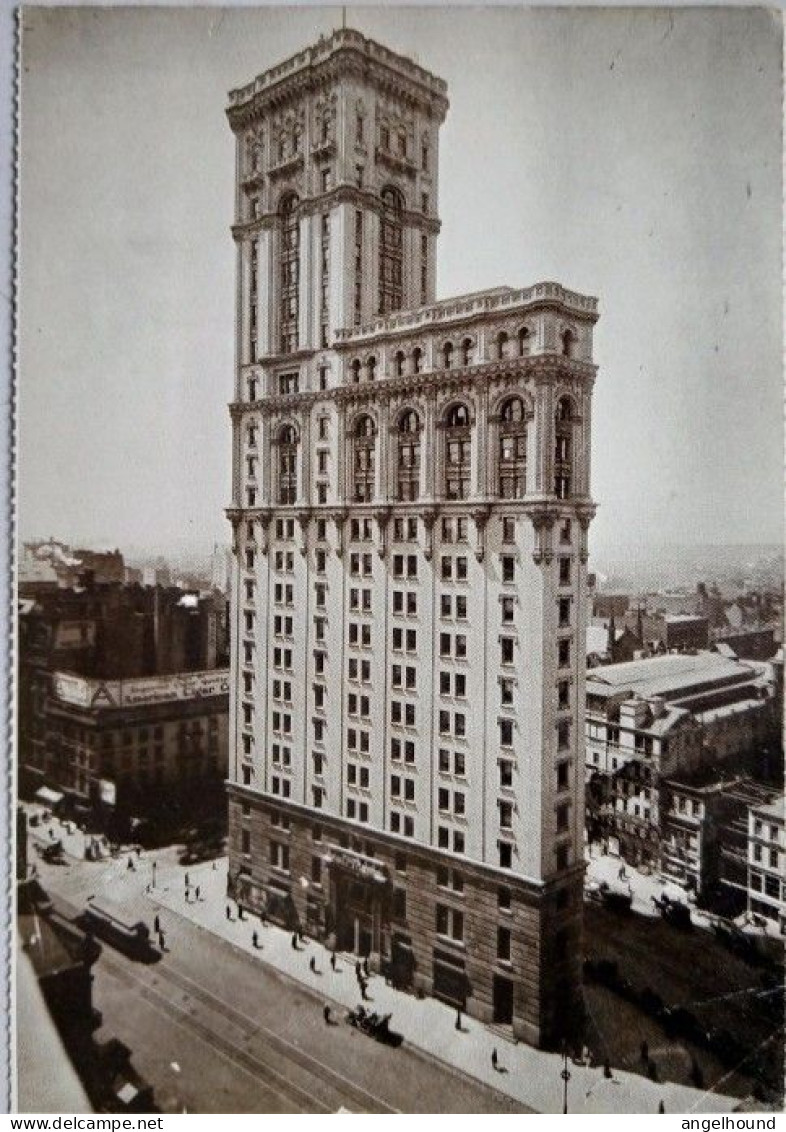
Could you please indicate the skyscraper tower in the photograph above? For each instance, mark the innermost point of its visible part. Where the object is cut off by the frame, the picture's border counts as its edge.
(410, 513)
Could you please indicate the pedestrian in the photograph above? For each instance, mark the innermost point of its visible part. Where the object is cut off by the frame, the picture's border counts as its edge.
(606, 1069)
(645, 1051)
(458, 1019)
(255, 939)
(332, 960)
(661, 1108)
(494, 1058)
(188, 884)
(157, 925)
(326, 1013)
(130, 864)
(294, 941)
(229, 912)
(162, 941)
(366, 971)
(197, 893)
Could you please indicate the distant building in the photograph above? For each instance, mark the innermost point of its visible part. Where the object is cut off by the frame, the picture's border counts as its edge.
(606, 644)
(663, 632)
(767, 861)
(51, 564)
(610, 605)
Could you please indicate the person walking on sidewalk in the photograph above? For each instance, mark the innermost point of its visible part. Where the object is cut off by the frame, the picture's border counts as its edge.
(229, 912)
(255, 939)
(157, 924)
(188, 883)
(332, 960)
(197, 891)
(458, 1019)
(326, 1014)
(494, 1059)
(294, 942)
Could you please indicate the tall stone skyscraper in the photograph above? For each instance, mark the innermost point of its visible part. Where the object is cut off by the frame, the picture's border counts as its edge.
(410, 512)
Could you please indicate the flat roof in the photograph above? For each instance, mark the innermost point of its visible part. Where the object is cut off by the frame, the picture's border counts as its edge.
(774, 809)
(673, 672)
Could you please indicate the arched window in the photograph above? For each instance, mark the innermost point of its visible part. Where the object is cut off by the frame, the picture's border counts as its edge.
(391, 295)
(512, 468)
(563, 448)
(417, 360)
(371, 367)
(408, 480)
(447, 355)
(458, 452)
(251, 434)
(290, 272)
(354, 369)
(502, 344)
(398, 363)
(466, 352)
(525, 341)
(364, 442)
(568, 343)
(287, 465)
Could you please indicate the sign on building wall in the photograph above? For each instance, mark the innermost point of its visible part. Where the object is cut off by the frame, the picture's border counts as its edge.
(84, 692)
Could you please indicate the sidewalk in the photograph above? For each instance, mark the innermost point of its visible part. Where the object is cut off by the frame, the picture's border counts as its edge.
(529, 1075)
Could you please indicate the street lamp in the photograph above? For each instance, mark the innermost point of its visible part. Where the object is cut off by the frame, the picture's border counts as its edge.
(565, 1075)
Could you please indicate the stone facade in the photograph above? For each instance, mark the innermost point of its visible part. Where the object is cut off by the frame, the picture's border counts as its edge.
(410, 514)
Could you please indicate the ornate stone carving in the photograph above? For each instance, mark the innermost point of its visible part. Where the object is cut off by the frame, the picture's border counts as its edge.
(429, 516)
(382, 516)
(480, 517)
(543, 519)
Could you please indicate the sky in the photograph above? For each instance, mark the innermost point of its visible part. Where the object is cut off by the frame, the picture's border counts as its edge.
(633, 154)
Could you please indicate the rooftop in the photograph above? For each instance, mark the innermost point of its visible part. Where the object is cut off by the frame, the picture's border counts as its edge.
(459, 307)
(774, 809)
(672, 674)
(305, 63)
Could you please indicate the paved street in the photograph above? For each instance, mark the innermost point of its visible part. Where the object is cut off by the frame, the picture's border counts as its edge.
(215, 1002)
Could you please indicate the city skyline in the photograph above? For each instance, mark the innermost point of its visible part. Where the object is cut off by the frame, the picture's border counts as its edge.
(162, 285)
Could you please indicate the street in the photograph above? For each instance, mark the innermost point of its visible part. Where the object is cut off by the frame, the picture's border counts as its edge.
(214, 1029)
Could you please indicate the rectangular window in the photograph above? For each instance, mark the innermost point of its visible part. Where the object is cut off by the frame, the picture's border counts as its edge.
(503, 944)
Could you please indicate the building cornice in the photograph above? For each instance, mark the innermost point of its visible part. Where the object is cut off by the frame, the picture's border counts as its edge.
(540, 368)
(344, 52)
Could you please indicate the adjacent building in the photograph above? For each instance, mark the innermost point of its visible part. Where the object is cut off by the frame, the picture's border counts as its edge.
(123, 699)
(410, 510)
(701, 816)
(767, 861)
(661, 717)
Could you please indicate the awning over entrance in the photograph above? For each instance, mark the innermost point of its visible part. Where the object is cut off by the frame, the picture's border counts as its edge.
(48, 797)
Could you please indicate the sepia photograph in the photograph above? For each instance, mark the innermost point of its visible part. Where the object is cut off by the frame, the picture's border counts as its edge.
(398, 603)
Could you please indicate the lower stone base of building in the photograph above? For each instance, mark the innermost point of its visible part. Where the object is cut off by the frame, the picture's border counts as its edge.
(503, 948)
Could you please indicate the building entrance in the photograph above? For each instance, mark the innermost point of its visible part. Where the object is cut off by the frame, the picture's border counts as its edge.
(503, 1000)
(356, 892)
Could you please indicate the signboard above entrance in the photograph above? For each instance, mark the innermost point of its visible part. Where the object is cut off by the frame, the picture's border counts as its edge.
(365, 868)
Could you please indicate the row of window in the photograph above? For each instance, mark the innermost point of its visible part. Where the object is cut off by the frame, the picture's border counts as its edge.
(456, 440)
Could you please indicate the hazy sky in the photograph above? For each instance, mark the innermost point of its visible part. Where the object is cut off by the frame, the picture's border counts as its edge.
(634, 154)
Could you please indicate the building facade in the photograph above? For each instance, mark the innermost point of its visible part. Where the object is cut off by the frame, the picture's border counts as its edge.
(410, 513)
(664, 716)
(767, 862)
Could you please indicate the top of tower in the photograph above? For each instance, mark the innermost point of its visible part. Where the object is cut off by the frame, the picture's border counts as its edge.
(333, 56)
